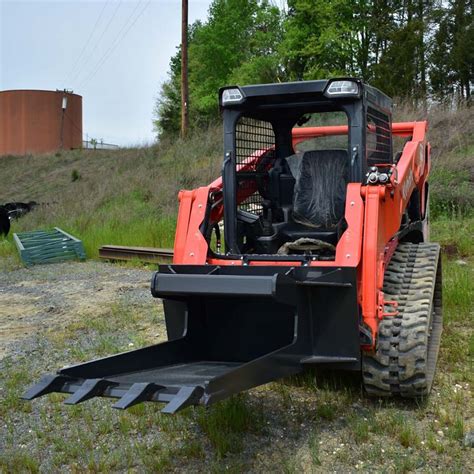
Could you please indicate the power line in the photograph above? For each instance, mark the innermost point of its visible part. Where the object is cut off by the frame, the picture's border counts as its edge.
(121, 35)
(87, 42)
(99, 40)
(118, 39)
(113, 41)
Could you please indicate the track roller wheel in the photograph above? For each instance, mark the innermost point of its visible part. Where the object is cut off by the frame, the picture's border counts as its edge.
(404, 362)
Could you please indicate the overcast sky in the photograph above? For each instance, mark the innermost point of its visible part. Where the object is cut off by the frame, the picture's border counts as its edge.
(114, 53)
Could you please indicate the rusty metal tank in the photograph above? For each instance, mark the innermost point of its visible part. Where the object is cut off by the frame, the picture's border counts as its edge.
(35, 121)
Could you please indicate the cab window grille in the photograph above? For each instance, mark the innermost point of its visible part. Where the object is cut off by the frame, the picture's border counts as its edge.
(379, 138)
(254, 155)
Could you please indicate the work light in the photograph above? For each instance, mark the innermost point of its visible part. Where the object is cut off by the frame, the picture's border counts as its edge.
(342, 89)
(231, 96)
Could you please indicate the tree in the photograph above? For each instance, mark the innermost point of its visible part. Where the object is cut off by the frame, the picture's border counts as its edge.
(462, 54)
(168, 108)
(319, 39)
(408, 48)
(236, 44)
(237, 32)
(441, 73)
(452, 52)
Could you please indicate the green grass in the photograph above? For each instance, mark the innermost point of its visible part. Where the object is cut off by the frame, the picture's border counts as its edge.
(19, 461)
(452, 190)
(125, 221)
(313, 444)
(408, 436)
(459, 289)
(8, 253)
(326, 411)
(121, 197)
(455, 429)
(360, 428)
(454, 233)
(226, 422)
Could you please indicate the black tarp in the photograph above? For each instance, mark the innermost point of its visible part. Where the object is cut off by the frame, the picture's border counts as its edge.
(320, 190)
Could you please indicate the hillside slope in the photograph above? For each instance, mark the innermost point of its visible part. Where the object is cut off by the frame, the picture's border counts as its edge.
(129, 196)
(126, 196)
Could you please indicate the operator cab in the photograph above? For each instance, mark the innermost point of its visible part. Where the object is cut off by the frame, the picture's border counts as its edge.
(290, 150)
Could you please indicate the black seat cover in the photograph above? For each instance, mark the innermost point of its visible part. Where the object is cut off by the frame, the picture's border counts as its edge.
(320, 190)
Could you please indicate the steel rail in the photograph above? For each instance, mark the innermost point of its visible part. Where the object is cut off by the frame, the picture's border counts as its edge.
(144, 254)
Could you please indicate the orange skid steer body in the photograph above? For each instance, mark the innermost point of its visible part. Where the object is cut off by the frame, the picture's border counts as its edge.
(373, 215)
(324, 261)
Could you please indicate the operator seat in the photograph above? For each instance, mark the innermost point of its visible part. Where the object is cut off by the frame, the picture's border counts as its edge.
(319, 197)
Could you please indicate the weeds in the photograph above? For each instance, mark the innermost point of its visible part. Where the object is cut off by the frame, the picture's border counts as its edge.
(360, 428)
(407, 463)
(459, 288)
(434, 443)
(18, 461)
(313, 445)
(226, 422)
(408, 437)
(326, 411)
(75, 176)
(455, 431)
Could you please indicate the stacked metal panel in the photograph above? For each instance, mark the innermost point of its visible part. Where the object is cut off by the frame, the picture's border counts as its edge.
(48, 246)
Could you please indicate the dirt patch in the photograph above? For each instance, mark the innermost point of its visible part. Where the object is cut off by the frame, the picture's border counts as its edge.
(13, 321)
(450, 249)
(50, 297)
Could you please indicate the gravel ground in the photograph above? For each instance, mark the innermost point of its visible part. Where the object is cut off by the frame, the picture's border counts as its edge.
(50, 297)
(56, 315)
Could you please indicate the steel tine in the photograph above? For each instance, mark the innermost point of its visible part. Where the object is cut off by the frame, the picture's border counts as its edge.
(89, 389)
(185, 397)
(138, 392)
(47, 384)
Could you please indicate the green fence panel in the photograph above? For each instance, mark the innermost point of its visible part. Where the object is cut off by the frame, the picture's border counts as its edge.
(48, 246)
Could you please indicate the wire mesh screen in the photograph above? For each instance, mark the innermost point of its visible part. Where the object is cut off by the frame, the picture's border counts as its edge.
(254, 154)
(379, 141)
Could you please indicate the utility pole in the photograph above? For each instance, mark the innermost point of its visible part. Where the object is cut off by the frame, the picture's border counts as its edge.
(184, 70)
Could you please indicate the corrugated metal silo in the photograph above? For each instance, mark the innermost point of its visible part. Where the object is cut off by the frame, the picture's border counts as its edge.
(34, 121)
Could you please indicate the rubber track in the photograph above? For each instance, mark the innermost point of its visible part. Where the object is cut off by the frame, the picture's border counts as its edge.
(408, 344)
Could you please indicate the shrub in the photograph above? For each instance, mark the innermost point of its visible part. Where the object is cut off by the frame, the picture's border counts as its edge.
(75, 176)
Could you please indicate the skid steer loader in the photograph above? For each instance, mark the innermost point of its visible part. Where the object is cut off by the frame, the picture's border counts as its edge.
(325, 259)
